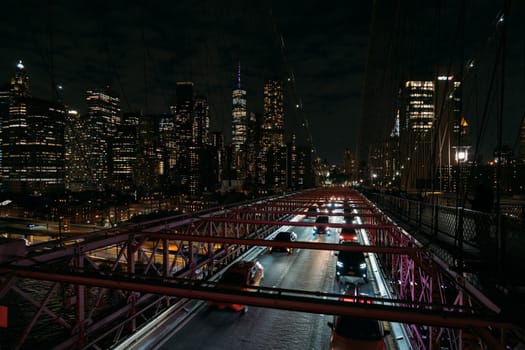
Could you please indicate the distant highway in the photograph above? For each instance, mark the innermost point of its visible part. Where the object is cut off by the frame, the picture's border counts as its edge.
(37, 231)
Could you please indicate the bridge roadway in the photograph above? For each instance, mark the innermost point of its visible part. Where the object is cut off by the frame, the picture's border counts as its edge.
(269, 328)
(259, 328)
(427, 293)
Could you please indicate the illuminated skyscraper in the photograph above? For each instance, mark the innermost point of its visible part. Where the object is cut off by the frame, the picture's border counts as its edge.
(77, 141)
(183, 134)
(20, 82)
(239, 120)
(124, 152)
(168, 141)
(5, 97)
(253, 148)
(271, 157)
(273, 118)
(349, 163)
(452, 146)
(217, 144)
(294, 180)
(32, 141)
(201, 121)
(416, 113)
(200, 143)
(103, 117)
(150, 163)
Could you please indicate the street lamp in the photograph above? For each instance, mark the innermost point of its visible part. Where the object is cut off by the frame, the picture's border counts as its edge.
(374, 177)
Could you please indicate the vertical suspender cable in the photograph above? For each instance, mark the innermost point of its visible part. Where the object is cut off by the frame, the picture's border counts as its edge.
(499, 233)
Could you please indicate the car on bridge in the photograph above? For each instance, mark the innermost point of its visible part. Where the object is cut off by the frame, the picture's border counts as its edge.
(321, 225)
(348, 235)
(348, 218)
(357, 333)
(240, 275)
(284, 236)
(312, 211)
(351, 265)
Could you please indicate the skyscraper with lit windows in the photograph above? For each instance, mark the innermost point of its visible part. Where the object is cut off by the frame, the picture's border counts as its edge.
(77, 140)
(253, 148)
(417, 114)
(102, 119)
(20, 82)
(201, 121)
(349, 163)
(124, 152)
(273, 149)
(32, 141)
(452, 146)
(200, 143)
(239, 132)
(5, 97)
(217, 145)
(150, 163)
(183, 111)
(273, 117)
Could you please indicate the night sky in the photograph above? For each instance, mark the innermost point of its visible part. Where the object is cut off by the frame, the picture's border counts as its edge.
(143, 48)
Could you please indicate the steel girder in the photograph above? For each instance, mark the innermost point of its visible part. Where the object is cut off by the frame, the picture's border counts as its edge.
(184, 246)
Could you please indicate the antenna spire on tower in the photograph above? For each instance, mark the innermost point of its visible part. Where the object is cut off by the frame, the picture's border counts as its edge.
(239, 75)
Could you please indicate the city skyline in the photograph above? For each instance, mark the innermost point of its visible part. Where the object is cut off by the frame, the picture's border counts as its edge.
(149, 48)
(49, 149)
(142, 51)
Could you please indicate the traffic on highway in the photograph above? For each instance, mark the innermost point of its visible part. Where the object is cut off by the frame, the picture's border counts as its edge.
(348, 273)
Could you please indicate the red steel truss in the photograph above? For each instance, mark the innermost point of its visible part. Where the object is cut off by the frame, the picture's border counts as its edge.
(151, 265)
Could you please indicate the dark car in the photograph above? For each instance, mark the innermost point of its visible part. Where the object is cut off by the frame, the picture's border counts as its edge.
(321, 225)
(357, 333)
(241, 275)
(348, 235)
(349, 214)
(312, 211)
(348, 218)
(351, 265)
(284, 236)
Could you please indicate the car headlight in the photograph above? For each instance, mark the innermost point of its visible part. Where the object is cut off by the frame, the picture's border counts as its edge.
(362, 266)
(339, 264)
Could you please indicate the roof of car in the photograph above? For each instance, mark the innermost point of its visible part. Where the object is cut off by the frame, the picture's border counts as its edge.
(284, 235)
(359, 328)
(322, 218)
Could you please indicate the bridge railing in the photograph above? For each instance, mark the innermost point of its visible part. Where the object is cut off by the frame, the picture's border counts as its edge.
(491, 243)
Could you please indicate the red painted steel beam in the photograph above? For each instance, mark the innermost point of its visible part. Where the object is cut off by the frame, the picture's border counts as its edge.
(70, 250)
(296, 244)
(295, 212)
(292, 223)
(316, 304)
